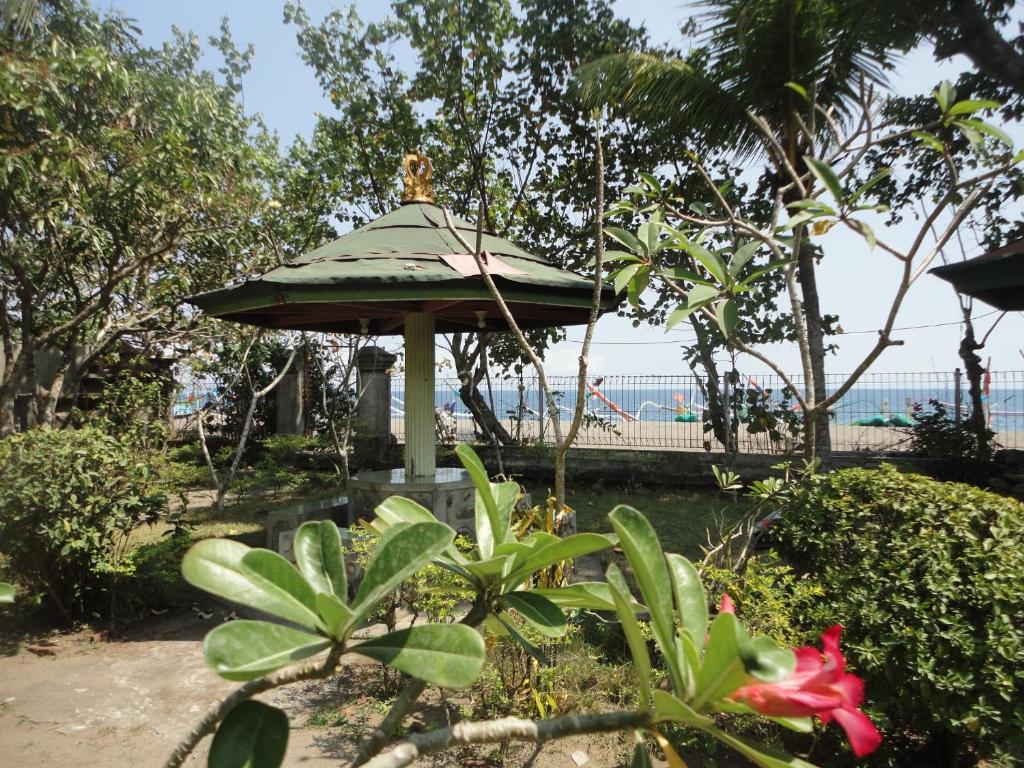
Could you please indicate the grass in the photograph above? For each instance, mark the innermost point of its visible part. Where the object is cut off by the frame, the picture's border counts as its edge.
(681, 517)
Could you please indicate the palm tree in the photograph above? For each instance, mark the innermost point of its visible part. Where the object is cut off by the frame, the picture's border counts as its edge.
(755, 58)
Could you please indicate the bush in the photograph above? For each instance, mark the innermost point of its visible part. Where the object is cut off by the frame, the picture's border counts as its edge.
(70, 502)
(928, 580)
(960, 453)
(156, 581)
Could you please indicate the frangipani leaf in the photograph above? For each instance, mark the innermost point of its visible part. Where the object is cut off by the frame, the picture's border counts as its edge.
(449, 655)
(6, 592)
(590, 595)
(245, 649)
(569, 548)
(215, 565)
(336, 615)
(691, 599)
(253, 735)
(543, 615)
(631, 629)
(824, 173)
(320, 557)
(402, 551)
(643, 551)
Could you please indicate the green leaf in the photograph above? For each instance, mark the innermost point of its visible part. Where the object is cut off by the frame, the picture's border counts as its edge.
(762, 271)
(712, 262)
(869, 184)
(679, 273)
(245, 649)
(758, 753)
(986, 128)
(743, 254)
(823, 171)
(727, 316)
(276, 570)
(669, 708)
(865, 231)
(944, 95)
(969, 106)
(6, 592)
(336, 615)
(647, 234)
(624, 276)
(652, 182)
(482, 481)
(449, 655)
(253, 735)
(643, 551)
(320, 557)
(569, 548)
(628, 239)
(732, 657)
(589, 595)
(691, 599)
(679, 314)
(929, 140)
(610, 256)
(638, 285)
(799, 89)
(216, 566)
(401, 552)
(700, 294)
(641, 758)
(526, 645)
(722, 671)
(546, 617)
(504, 496)
(631, 629)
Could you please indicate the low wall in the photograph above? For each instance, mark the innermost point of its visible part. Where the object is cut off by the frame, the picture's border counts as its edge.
(647, 467)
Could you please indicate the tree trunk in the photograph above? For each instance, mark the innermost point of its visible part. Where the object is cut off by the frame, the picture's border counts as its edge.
(816, 342)
(470, 375)
(713, 393)
(976, 422)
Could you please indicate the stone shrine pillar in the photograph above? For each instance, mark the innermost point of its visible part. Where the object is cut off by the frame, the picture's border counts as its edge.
(373, 408)
(290, 412)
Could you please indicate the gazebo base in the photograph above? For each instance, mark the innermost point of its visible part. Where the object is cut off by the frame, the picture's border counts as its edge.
(448, 493)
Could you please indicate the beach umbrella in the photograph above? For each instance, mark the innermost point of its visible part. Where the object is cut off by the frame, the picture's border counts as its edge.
(997, 278)
(406, 273)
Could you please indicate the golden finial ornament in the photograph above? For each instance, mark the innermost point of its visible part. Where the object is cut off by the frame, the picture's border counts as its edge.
(417, 187)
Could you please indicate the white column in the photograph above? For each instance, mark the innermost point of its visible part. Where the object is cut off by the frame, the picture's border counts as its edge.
(420, 453)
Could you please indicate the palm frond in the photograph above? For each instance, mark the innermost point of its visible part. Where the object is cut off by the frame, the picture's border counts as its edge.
(672, 93)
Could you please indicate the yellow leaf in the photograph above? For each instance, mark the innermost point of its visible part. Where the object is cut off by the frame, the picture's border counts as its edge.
(822, 226)
(671, 756)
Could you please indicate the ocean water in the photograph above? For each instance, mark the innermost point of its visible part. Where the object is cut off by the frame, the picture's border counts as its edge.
(660, 402)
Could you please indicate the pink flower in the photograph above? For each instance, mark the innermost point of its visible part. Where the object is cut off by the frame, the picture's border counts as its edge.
(726, 606)
(818, 686)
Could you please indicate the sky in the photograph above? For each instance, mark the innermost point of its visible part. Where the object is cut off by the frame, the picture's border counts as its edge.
(855, 282)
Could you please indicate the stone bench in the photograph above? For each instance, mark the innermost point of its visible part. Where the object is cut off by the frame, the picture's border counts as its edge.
(287, 519)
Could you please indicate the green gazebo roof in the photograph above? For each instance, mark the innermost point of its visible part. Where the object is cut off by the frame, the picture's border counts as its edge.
(997, 278)
(368, 280)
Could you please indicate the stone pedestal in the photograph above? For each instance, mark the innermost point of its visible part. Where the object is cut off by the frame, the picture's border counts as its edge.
(448, 493)
(373, 408)
(290, 413)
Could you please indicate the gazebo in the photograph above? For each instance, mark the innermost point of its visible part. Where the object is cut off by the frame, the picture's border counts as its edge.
(997, 277)
(407, 273)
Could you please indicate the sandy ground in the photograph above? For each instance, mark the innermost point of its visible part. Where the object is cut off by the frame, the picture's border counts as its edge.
(92, 702)
(673, 435)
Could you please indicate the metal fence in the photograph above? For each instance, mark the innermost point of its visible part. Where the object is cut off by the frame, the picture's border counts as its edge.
(643, 411)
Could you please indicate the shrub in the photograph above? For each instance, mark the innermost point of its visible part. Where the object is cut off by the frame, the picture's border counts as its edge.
(928, 580)
(156, 581)
(959, 452)
(70, 502)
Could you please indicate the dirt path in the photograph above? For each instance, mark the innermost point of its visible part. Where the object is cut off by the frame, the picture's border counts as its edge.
(125, 703)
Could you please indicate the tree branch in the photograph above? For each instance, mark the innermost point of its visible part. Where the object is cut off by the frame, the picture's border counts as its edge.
(508, 729)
